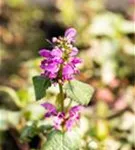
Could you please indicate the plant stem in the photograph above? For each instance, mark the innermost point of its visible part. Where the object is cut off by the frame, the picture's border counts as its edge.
(61, 96)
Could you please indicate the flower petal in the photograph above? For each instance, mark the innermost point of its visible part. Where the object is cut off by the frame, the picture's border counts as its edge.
(52, 67)
(51, 109)
(68, 72)
(74, 51)
(59, 120)
(69, 124)
(44, 53)
(70, 34)
(76, 60)
(56, 53)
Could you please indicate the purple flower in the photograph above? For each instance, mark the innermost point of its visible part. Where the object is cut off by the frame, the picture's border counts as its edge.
(60, 119)
(70, 34)
(75, 110)
(61, 62)
(51, 63)
(76, 61)
(52, 67)
(67, 72)
(74, 51)
(44, 52)
(74, 116)
(51, 109)
(56, 54)
(70, 69)
(69, 124)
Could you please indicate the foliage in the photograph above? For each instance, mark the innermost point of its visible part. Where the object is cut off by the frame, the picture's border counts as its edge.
(41, 84)
(60, 141)
(79, 92)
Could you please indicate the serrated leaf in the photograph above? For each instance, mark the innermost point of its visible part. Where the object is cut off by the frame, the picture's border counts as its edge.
(62, 141)
(79, 92)
(41, 84)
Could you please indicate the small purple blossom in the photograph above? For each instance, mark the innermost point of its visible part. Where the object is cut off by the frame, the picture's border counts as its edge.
(60, 119)
(70, 34)
(56, 54)
(61, 62)
(75, 61)
(74, 51)
(51, 63)
(51, 109)
(44, 53)
(74, 117)
(67, 72)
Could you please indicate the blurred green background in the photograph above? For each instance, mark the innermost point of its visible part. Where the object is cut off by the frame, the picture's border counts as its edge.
(106, 40)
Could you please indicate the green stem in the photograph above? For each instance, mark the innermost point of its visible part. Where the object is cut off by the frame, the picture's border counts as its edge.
(61, 96)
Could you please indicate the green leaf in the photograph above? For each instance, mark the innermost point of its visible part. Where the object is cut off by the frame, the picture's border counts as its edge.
(28, 132)
(32, 130)
(41, 84)
(79, 92)
(62, 141)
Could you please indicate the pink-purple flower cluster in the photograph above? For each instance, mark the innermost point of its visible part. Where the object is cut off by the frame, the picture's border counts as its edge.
(61, 62)
(62, 120)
